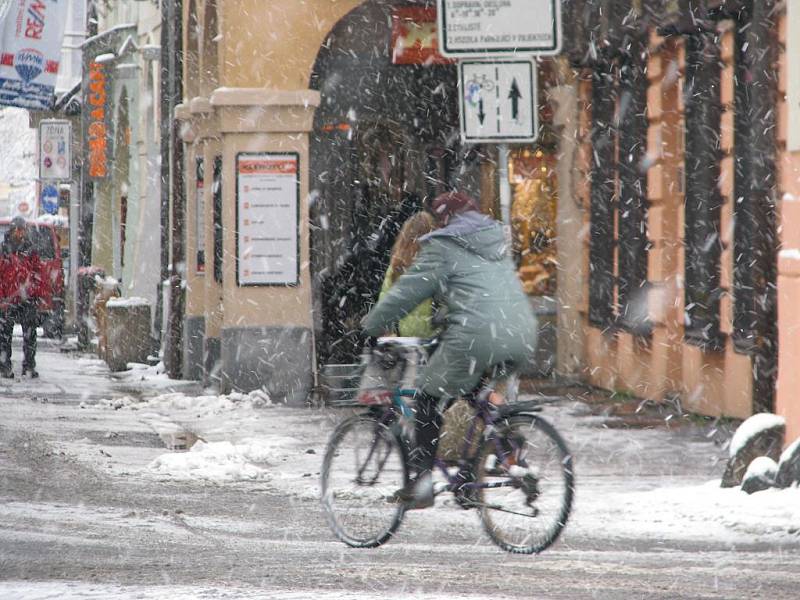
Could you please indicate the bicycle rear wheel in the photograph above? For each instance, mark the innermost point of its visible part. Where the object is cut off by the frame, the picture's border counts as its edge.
(364, 465)
(525, 484)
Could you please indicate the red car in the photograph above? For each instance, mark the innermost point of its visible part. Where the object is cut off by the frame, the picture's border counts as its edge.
(51, 274)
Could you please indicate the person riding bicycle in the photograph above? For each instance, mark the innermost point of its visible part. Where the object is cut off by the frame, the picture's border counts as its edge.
(465, 267)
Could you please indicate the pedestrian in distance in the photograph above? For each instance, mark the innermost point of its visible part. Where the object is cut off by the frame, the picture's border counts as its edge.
(464, 266)
(418, 323)
(19, 296)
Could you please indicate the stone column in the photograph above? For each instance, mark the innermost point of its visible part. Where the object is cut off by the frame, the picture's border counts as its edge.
(571, 265)
(266, 334)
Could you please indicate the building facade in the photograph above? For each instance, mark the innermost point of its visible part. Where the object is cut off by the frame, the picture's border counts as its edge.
(647, 215)
(121, 144)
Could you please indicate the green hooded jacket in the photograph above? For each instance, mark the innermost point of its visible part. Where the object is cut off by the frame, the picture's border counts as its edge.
(465, 267)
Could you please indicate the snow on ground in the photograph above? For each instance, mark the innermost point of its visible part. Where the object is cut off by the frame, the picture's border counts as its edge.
(66, 590)
(624, 485)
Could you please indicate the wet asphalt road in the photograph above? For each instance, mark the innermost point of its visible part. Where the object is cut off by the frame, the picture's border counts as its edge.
(61, 519)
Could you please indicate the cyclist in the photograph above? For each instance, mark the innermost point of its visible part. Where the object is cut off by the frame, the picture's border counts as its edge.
(465, 267)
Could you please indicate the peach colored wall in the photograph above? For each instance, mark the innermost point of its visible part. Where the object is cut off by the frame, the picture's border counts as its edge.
(707, 382)
(788, 393)
(274, 44)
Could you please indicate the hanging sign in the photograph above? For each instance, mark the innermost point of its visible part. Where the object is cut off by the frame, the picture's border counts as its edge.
(414, 37)
(30, 51)
(55, 150)
(267, 218)
(95, 120)
(498, 101)
(491, 28)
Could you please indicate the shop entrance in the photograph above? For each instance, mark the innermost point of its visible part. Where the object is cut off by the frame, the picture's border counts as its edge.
(385, 141)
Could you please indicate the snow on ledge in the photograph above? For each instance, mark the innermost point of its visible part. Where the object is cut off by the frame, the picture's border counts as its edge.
(752, 427)
(790, 254)
(134, 301)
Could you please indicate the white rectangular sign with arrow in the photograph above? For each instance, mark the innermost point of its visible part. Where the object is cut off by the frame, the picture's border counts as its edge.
(498, 101)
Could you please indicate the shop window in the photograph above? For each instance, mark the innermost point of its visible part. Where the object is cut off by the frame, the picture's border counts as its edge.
(533, 218)
(200, 221)
(603, 191)
(702, 243)
(618, 243)
(217, 214)
(633, 244)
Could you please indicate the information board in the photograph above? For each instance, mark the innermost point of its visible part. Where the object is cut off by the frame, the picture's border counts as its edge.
(267, 218)
(491, 28)
(55, 150)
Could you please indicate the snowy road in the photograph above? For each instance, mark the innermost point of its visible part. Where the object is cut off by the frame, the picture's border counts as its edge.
(91, 508)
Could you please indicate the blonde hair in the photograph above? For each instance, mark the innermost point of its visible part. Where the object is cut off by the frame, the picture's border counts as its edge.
(406, 245)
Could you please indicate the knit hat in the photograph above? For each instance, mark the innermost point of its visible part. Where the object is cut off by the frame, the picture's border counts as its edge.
(452, 203)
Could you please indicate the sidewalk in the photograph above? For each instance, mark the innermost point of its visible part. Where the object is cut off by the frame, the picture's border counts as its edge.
(635, 481)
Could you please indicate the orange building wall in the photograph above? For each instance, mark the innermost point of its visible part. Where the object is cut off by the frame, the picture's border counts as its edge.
(707, 382)
(788, 393)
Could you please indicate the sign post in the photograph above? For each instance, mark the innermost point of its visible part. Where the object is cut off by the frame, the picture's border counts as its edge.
(498, 101)
(491, 28)
(55, 150)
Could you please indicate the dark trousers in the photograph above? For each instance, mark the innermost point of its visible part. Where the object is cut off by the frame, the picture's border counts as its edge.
(26, 315)
(428, 426)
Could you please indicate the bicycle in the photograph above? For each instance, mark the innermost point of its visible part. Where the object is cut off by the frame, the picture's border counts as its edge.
(514, 468)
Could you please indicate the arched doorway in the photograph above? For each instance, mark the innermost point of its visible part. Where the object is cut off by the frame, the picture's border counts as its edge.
(385, 140)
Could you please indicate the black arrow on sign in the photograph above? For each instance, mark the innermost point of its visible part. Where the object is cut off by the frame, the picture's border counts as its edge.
(515, 95)
(481, 114)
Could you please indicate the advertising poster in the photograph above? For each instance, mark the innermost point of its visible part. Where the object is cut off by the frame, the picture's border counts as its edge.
(267, 220)
(30, 51)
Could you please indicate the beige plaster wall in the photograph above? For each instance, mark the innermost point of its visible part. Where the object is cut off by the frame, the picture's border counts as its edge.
(274, 44)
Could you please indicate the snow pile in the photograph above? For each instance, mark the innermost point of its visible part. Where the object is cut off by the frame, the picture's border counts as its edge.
(763, 467)
(221, 462)
(128, 302)
(199, 405)
(751, 428)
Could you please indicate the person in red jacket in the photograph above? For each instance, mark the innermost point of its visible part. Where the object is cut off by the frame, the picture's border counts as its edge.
(19, 272)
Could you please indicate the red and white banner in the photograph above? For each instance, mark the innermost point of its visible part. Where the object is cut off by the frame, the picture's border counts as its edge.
(30, 52)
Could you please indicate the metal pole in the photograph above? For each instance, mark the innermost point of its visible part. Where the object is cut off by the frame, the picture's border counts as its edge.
(504, 183)
(173, 348)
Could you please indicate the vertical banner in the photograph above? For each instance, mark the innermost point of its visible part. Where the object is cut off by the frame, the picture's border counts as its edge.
(55, 150)
(95, 120)
(30, 52)
(267, 218)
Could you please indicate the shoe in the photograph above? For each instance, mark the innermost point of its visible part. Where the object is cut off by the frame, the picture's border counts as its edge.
(7, 373)
(417, 495)
(33, 373)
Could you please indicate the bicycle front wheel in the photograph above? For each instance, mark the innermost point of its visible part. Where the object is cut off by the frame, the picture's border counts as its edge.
(525, 484)
(364, 465)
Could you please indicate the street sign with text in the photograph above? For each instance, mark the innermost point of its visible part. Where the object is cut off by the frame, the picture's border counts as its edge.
(488, 28)
(498, 101)
(55, 150)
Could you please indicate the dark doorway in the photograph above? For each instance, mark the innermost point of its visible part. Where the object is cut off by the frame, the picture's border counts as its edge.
(385, 140)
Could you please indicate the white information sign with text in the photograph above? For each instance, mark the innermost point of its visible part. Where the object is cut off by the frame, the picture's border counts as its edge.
(55, 150)
(267, 219)
(499, 27)
(498, 101)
